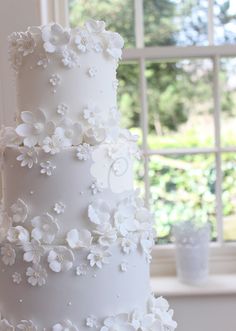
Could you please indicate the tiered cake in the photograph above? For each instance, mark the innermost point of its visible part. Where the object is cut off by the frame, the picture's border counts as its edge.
(75, 238)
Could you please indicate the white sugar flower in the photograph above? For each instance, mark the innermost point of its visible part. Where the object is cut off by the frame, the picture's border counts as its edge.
(28, 157)
(150, 323)
(52, 145)
(18, 235)
(81, 269)
(69, 58)
(9, 137)
(147, 242)
(114, 44)
(84, 151)
(55, 38)
(45, 228)
(8, 254)
(92, 114)
(119, 323)
(91, 321)
(25, 325)
(95, 135)
(124, 218)
(37, 275)
(59, 207)
(16, 278)
(6, 326)
(98, 256)
(70, 133)
(92, 71)
(33, 251)
(96, 187)
(62, 109)
(22, 42)
(19, 211)
(43, 61)
(94, 26)
(35, 127)
(79, 239)
(66, 325)
(106, 234)
(47, 168)
(60, 259)
(129, 243)
(55, 80)
(82, 40)
(99, 212)
(123, 266)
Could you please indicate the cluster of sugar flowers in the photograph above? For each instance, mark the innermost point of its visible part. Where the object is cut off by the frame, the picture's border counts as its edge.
(129, 223)
(156, 317)
(67, 45)
(36, 130)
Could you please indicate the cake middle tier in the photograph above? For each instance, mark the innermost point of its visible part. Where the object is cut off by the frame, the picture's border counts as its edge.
(70, 190)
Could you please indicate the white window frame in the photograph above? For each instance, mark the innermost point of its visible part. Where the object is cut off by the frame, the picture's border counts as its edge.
(222, 254)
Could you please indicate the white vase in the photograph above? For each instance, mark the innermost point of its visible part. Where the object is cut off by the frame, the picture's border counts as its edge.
(192, 252)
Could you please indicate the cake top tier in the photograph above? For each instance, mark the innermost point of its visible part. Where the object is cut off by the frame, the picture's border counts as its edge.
(67, 78)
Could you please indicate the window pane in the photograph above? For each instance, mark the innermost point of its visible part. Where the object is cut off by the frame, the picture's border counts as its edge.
(175, 22)
(225, 21)
(129, 106)
(228, 101)
(182, 188)
(229, 195)
(180, 104)
(119, 16)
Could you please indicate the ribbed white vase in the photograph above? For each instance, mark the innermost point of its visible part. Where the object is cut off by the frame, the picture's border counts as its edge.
(192, 252)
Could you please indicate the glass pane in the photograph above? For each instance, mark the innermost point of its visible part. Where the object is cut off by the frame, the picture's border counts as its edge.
(228, 101)
(225, 21)
(180, 100)
(229, 195)
(119, 16)
(128, 96)
(175, 22)
(182, 188)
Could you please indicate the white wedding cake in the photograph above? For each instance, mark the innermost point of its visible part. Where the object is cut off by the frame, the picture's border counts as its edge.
(75, 238)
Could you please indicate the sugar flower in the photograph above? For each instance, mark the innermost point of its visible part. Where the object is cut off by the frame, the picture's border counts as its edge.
(98, 256)
(99, 212)
(66, 325)
(55, 38)
(37, 275)
(8, 255)
(79, 239)
(19, 211)
(17, 235)
(33, 251)
(35, 127)
(45, 228)
(28, 157)
(60, 259)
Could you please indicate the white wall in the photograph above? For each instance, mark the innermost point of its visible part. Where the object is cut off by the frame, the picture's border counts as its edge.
(15, 15)
(205, 313)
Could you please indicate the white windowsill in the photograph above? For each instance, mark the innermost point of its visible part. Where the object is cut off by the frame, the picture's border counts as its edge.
(221, 284)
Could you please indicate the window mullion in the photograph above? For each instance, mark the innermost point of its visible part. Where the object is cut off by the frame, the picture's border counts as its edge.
(139, 27)
(217, 113)
(144, 125)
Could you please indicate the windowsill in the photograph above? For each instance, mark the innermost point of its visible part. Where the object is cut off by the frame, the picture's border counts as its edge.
(221, 284)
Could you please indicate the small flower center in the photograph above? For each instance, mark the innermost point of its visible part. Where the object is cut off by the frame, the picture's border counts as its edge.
(38, 127)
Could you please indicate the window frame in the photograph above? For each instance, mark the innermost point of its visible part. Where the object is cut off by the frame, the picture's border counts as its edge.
(222, 254)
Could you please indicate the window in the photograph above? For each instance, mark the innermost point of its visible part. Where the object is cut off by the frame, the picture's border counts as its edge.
(177, 90)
